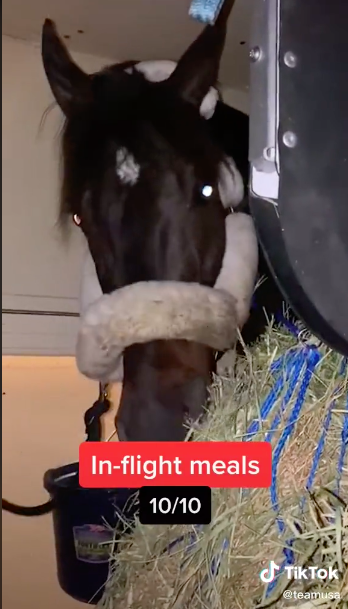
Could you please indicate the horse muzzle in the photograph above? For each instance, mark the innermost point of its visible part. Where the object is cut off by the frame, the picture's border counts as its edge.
(170, 310)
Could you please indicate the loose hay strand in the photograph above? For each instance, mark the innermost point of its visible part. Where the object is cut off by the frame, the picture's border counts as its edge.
(243, 535)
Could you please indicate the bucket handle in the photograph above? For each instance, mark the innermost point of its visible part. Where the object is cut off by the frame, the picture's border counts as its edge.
(93, 431)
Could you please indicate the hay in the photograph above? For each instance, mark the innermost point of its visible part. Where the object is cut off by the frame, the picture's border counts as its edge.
(243, 535)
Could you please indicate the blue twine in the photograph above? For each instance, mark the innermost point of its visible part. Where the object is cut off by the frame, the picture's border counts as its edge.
(319, 450)
(289, 560)
(293, 380)
(214, 566)
(205, 11)
(191, 541)
(286, 365)
(311, 363)
(321, 443)
(294, 361)
(286, 369)
(289, 555)
(344, 366)
(293, 329)
(173, 544)
(344, 445)
(284, 362)
(216, 562)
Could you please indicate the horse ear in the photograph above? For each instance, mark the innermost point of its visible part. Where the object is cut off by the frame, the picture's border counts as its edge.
(198, 68)
(70, 86)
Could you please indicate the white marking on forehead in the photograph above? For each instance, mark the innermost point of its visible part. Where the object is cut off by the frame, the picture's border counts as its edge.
(126, 167)
(157, 70)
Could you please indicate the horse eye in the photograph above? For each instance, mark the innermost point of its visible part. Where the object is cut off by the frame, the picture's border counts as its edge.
(77, 219)
(204, 194)
(207, 191)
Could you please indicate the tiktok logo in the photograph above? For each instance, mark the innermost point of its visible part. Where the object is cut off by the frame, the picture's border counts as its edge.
(268, 575)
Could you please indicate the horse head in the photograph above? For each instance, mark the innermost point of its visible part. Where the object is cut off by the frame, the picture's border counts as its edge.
(142, 178)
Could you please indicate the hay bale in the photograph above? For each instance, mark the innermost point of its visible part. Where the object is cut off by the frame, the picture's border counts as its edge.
(217, 566)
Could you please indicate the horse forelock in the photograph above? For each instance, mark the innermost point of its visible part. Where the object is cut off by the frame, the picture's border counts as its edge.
(141, 121)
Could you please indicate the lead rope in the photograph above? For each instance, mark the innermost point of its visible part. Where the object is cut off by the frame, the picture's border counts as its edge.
(93, 415)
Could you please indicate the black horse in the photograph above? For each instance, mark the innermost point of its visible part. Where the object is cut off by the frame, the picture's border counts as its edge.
(137, 157)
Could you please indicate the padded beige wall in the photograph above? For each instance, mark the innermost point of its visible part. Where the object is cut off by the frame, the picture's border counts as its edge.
(44, 400)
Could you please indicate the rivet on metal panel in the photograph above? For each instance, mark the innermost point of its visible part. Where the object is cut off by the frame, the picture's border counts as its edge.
(269, 153)
(254, 54)
(290, 59)
(290, 139)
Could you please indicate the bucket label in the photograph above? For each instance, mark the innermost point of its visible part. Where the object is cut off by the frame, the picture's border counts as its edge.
(93, 543)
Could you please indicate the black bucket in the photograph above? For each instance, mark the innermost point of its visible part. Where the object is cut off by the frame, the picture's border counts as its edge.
(84, 528)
